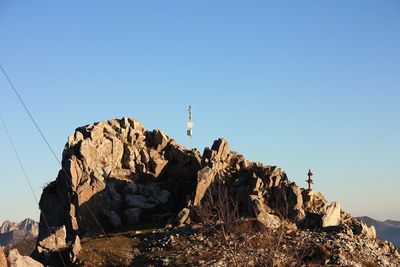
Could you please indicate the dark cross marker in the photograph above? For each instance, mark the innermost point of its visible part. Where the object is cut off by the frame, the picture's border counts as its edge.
(309, 181)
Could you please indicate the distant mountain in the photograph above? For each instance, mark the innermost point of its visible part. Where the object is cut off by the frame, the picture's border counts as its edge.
(21, 236)
(389, 230)
(26, 225)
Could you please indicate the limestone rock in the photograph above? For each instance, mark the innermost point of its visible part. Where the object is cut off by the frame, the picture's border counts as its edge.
(313, 202)
(332, 215)
(360, 228)
(125, 175)
(221, 147)
(156, 166)
(54, 241)
(205, 178)
(269, 220)
(295, 199)
(3, 260)
(16, 260)
(183, 215)
(75, 249)
(159, 140)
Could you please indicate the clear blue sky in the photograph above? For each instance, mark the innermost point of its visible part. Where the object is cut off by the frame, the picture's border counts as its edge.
(298, 84)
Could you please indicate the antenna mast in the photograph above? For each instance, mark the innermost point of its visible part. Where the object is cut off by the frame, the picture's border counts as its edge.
(190, 126)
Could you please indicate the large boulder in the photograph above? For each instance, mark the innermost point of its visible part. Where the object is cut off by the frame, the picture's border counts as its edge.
(332, 215)
(16, 260)
(54, 241)
(205, 178)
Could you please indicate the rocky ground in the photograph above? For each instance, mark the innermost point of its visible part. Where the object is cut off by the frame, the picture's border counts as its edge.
(201, 246)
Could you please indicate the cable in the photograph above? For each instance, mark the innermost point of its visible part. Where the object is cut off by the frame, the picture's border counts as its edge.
(50, 148)
(28, 180)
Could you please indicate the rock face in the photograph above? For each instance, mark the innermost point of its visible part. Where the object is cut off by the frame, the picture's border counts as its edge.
(119, 174)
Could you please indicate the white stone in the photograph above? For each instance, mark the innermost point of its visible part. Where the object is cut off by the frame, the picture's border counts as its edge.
(332, 215)
(16, 260)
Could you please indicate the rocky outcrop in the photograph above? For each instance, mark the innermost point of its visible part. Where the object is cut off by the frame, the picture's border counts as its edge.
(360, 228)
(118, 174)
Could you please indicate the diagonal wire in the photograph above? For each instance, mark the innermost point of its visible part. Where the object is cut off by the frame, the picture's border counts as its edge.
(30, 115)
(27, 179)
(50, 148)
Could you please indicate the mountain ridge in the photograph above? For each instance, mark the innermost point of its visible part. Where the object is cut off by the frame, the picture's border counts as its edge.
(21, 236)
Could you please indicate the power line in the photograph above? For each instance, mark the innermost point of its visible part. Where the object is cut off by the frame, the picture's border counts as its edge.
(30, 115)
(27, 180)
(50, 148)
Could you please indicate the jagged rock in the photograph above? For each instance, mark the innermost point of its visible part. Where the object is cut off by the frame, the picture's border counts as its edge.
(159, 140)
(54, 241)
(221, 147)
(3, 260)
(269, 220)
(217, 156)
(156, 166)
(313, 202)
(16, 260)
(360, 228)
(205, 178)
(111, 219)
(295, 199)
(75, 249)
(132, 216)
(183, 216)
(332, 215)
(258, 204)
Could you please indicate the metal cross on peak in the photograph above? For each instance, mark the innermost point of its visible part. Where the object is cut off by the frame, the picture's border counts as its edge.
(309, 181)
